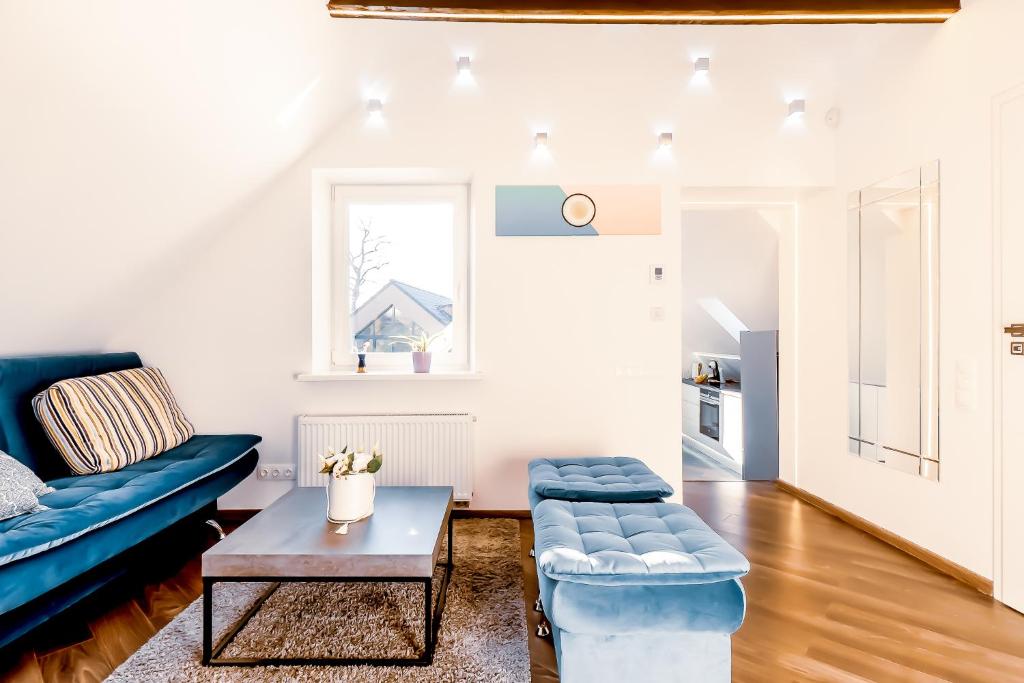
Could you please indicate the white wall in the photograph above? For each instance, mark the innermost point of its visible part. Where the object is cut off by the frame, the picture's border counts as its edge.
(915, 101)
(156, 171)
(731, 255)
(235, 327)
(131, 132)
(572, 362)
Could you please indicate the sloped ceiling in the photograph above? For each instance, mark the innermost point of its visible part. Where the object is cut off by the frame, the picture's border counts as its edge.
(133, 133)
(731, 257)
(128, 127)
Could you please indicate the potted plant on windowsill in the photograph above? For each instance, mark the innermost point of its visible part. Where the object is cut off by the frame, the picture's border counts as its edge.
(420, 347)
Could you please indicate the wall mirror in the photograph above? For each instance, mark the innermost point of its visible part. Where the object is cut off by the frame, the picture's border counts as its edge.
(893, 285)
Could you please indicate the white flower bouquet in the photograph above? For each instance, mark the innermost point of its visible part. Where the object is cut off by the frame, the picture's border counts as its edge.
(350, 462)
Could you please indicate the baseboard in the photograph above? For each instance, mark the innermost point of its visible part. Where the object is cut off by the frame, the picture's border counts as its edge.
(470, 513)
(238, 516)
(972, 579)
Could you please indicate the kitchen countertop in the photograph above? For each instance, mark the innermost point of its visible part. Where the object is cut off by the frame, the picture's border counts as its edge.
(729, 387)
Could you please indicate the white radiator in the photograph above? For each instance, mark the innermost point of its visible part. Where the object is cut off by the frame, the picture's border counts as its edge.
(419, 450)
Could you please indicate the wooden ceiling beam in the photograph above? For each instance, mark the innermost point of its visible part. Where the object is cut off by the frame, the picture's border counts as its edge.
(658, 12)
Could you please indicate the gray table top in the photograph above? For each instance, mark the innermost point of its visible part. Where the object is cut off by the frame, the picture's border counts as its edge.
(292, 537)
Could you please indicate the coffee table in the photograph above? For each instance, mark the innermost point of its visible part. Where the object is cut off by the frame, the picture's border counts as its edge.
(292, 541)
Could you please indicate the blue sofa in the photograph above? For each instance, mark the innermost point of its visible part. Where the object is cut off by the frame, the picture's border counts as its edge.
(49, 560)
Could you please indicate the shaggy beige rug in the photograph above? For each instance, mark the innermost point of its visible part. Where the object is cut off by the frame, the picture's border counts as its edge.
(482, 637)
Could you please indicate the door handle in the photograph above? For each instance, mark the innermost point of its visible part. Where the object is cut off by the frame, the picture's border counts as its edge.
(1014, 330)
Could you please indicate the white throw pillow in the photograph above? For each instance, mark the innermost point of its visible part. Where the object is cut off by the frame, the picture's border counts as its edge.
(20, 488)
(27, 476)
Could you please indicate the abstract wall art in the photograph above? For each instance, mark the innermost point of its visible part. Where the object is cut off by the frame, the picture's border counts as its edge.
(571, 210)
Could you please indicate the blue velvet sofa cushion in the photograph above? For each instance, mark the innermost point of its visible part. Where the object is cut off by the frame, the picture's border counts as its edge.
(21, 379)
(612, 544)
(627, 610)
(81, 504)
(599, 479)
(84, 509)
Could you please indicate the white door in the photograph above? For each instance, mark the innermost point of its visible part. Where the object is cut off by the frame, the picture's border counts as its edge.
(1009, 209)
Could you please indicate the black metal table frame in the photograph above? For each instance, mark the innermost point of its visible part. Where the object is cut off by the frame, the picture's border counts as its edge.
(432, 618)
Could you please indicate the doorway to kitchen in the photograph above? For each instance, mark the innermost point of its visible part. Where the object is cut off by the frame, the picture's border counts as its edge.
(730, 342)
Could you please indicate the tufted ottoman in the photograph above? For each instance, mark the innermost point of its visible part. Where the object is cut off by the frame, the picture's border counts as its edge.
(599, 479)
(637, 591)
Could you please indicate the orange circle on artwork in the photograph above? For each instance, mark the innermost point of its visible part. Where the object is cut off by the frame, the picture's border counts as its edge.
(578, 210)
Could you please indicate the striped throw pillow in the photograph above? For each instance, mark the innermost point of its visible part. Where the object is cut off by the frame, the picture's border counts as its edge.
(105, 422)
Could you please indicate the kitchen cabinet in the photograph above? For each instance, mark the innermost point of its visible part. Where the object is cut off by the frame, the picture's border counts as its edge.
(691, 410)
(729, 445)
(731, 420)
(745, 418)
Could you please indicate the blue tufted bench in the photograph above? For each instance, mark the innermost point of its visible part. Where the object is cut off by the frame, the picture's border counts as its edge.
(599, 479)
(637, 591)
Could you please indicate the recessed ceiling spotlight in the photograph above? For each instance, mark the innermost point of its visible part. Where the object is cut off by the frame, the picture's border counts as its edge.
(375, 110)
(665, 140)
(464, 66)
(797, 108)
(702, 65)
(540, 140)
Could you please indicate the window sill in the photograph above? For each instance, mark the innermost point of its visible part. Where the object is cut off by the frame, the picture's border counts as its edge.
(386, 376)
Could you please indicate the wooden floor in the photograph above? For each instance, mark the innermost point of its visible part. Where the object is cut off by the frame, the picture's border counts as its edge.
(88, 642)
(826, 603)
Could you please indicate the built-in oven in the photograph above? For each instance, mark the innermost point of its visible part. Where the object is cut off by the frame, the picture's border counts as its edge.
(710, 414)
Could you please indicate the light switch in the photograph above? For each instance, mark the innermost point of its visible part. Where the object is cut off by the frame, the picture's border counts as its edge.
(657, 274)
(966, 386)
(657, 314)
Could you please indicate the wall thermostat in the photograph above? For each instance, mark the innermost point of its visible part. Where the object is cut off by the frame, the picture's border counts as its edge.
(657, 274)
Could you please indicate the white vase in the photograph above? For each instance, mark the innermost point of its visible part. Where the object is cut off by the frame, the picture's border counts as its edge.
(350, 497)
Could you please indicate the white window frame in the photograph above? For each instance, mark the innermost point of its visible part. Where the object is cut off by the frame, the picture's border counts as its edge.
(332, 333)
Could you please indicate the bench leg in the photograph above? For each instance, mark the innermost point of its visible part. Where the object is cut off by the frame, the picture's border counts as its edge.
(217, 527)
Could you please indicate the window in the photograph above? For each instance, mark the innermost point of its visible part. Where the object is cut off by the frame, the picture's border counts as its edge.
(399, 269)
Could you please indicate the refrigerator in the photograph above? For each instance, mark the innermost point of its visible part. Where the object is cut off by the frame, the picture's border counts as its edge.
(759, 377)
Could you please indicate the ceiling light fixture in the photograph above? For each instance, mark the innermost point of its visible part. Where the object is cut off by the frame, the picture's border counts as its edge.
(797, 108)
(375, 110)
(665, 140)
(702, 65)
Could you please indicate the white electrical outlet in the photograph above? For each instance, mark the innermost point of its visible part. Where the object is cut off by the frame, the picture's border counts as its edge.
(276, 471)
